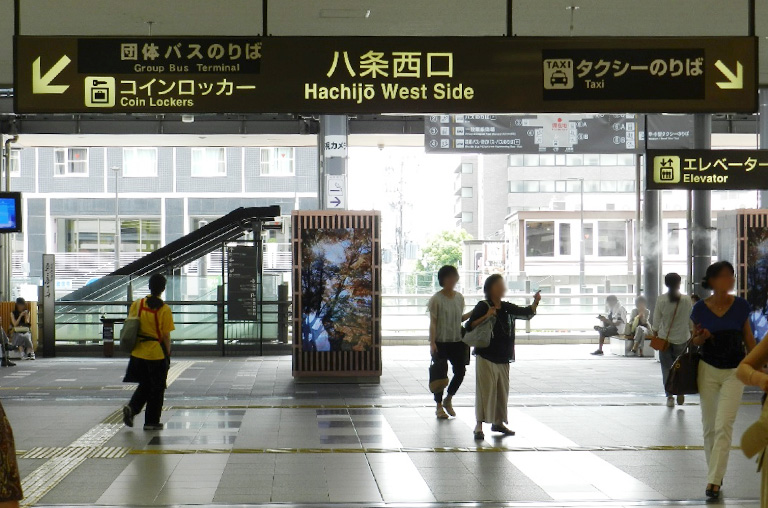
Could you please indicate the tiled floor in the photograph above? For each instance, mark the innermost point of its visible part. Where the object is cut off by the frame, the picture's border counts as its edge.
(591, 432)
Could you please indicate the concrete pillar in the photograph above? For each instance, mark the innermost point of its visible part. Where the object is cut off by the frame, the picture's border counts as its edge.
(702, 209)
(762, 119)
(651, 245)
(333, 128)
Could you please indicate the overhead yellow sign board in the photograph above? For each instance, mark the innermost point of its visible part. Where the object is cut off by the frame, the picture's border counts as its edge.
(384, 75)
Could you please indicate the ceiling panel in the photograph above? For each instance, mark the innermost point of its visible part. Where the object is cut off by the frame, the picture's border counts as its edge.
(120, 17)
(387, 17)
(630, 17)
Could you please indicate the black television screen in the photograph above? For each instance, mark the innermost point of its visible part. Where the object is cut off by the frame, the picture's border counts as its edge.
(10, 212)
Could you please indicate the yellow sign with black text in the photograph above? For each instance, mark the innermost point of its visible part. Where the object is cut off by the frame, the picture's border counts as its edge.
(707, 169)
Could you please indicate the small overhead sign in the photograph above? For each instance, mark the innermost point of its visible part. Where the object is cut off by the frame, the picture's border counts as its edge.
(545, 133)
(335, 192)
(707, 169)
(348, 75)
(335, 146)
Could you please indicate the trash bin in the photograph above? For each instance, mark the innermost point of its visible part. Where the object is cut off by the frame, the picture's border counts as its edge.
(108, 335)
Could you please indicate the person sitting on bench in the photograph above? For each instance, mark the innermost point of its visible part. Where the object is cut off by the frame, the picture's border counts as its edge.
(613, 324)
(640, 324)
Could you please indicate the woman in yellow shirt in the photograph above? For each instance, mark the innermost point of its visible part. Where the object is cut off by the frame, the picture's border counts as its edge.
(150, 358)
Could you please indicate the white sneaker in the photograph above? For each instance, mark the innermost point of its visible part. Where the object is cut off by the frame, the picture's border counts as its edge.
(670, 401)
(440, 413)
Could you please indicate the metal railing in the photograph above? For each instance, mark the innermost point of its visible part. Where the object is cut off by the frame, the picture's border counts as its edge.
(406, 315)
(199, 324)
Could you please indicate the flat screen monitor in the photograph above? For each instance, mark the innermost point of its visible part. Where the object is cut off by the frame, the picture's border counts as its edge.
(10, 212)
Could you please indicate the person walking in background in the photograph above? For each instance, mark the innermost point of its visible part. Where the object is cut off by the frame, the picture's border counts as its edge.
(150, 358)
(721, 329)
(21, 336)
(10, 479)
(640, 324)
(446, 313)
(492, 374)
(671, 321)
(613, 324)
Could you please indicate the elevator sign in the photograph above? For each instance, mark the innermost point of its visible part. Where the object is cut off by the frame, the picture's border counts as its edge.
(707, 169)
(349, 75)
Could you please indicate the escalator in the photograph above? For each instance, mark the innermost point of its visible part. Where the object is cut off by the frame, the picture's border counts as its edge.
(176, 254)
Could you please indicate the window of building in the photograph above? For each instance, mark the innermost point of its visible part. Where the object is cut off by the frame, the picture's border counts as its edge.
(612, 238)
(70, 162)
(626, 159)
(609, 159)
(626, 185)
(547, 186)
(560, 159)
(467, 192)
(532, 160)
(673, 238)
(15, 165)
(467, 168)
(589, 239)
(560, 186)
(209, 162)
(280, 162)
(547, 159)
(539, 238)
(591, 186)
(516, 186)
(573, 185)
(467, 217)
(98, 235)
(531, 185)
(608, 186)
(573, 159)
(565, 238)
(139, 235)
(591, 159)
(140, 162)
(516, 160)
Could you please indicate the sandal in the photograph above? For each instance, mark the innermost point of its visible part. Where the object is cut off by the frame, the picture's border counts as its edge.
(479, 436)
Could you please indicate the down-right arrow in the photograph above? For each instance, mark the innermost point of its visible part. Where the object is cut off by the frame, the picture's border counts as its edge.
(735, 81)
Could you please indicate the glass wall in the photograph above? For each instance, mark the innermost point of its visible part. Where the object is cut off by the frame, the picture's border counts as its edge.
(98, 235)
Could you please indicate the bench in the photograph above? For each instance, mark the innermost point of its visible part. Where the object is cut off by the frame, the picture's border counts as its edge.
(621, 345)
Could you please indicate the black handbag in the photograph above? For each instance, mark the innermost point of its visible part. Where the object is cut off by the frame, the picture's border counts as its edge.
(438, 375)
(684, 373)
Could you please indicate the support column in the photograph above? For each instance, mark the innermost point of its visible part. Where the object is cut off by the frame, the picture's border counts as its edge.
(762, 129)
(332, 160)
(702, 210)
(651, 246)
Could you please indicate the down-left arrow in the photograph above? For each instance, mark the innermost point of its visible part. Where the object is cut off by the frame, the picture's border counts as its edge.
(42, 83)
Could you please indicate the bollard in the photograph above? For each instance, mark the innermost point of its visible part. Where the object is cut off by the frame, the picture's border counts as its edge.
(283, 306)
(108, 337)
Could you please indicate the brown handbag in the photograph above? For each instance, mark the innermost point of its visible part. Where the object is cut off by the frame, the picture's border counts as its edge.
(657, 342)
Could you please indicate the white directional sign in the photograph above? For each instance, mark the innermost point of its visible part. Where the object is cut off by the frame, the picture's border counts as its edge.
(335, 192)
(41, 83)
(735, 81)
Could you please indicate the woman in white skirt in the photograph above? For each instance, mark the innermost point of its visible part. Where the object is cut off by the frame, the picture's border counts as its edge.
(492, 378)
